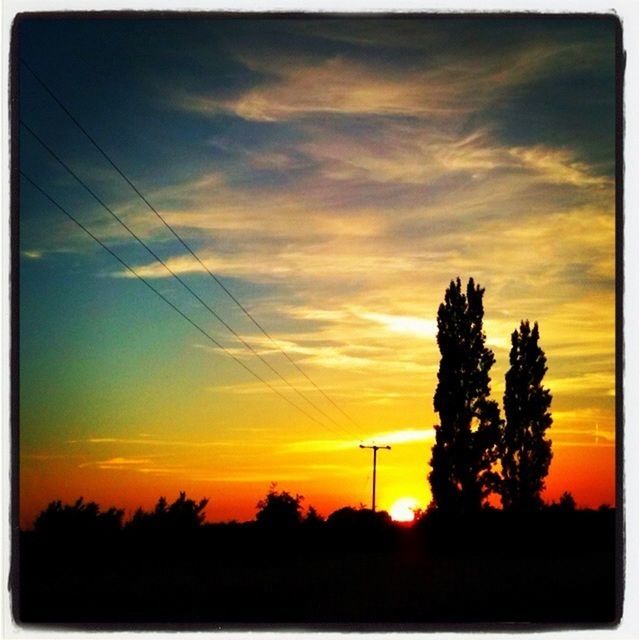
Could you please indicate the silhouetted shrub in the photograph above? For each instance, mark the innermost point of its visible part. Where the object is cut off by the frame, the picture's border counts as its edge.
(312, 519)
(350, 518)
(566, 503)
(181, 516)
(79, 519)
(279, 510)
(360, 528)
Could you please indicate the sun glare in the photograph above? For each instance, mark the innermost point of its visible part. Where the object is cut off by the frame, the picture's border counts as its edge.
(402, 510)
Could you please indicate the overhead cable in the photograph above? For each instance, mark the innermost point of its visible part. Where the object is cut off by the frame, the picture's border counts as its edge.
(171, 304)
(246, 312)
(175, 275)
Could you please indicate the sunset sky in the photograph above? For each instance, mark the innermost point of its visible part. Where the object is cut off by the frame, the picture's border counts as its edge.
(335, 175)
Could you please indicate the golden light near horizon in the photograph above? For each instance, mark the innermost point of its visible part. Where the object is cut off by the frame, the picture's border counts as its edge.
(404, 509)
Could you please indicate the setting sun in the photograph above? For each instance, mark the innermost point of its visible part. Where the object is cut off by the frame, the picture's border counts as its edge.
(403, 510)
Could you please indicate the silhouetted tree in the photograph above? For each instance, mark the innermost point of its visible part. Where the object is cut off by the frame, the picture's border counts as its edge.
(567, 502)
(467, 437)
(312, 518)
(78, 519)
(279, 509)
(361, 518)
(526, 453)
(181, 516)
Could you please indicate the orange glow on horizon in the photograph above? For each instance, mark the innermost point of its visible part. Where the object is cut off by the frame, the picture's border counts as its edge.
(585, 470)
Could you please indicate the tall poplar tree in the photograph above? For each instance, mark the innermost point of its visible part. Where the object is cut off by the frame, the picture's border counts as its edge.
(467, 437)
(526, 453)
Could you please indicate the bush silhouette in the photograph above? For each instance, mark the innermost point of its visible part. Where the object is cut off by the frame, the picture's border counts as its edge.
(81, 519)
(350, 519)
(181, 516)
(279, 509)
(312, 519)
(566, 503)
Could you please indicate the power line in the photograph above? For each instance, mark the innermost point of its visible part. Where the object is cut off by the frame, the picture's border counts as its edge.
(176, 276)
(247, 313)
(171, 304)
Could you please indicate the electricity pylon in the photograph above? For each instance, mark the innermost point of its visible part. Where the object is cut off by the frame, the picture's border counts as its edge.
(375, 459)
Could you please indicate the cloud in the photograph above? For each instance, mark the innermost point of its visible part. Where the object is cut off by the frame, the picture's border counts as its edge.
(179, 265)
(405, 152)
(559, 166)
(416, 153)
(119, 462)
(32, 254)
(335, 85)
(594, 435)
(367, 205)
(249, 477)
(404, 436)
(400, 437)
(147, 465)
(373, 85)
(153, 442)
(412, 325)
(587, 445)
(594, 383)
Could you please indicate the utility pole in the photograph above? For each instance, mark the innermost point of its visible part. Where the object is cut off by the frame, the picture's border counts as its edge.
(375, 460)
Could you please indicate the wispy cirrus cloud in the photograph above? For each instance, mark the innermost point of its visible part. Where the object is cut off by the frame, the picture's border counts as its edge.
(400, 437)
(412, 325)
(559, 166)
(335, 85)
(351, 85)
(117, 463)
(153, 442)
(32, 254)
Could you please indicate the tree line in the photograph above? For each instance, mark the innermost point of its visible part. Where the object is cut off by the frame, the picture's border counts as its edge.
(278, 511)
(476, 452)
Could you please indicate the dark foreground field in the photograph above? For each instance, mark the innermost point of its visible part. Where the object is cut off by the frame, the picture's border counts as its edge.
(554, 568)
